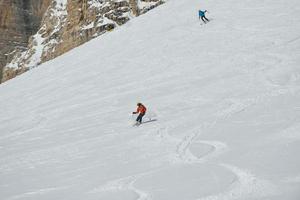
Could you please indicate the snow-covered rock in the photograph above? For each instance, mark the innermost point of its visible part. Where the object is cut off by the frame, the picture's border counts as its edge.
(68, 24)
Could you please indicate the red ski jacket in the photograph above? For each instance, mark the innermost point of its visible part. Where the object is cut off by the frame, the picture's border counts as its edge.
(141, 109)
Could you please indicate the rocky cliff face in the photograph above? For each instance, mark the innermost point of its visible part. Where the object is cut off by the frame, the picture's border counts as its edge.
(70, 23)
(19, 19)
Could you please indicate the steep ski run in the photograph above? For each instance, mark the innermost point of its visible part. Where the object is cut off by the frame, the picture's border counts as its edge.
(226, 96)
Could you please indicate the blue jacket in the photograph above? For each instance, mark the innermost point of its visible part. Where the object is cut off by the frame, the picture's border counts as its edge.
(202, 13)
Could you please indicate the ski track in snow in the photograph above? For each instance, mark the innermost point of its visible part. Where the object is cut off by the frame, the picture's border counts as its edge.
(246, 185)
(185, 155)
(183, 151)
(182, 155)
(126, 183)
(36, 192)
(235, 106)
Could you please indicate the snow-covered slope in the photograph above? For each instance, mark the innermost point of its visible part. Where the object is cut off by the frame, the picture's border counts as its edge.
(225, 95)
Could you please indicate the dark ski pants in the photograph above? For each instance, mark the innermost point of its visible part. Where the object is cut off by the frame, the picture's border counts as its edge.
(140, 117)
(204, 18)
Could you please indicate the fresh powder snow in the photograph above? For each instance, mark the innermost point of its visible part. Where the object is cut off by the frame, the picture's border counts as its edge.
(223, 97)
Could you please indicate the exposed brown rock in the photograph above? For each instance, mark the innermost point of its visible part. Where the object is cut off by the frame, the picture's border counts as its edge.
(134, 7)
(66, 26)
(19, 19)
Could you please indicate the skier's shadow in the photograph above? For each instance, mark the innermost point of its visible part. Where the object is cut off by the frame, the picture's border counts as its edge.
(150, 120)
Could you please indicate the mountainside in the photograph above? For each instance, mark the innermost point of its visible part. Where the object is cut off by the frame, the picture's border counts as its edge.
(18, 21)
(225, 96)
(67, 24)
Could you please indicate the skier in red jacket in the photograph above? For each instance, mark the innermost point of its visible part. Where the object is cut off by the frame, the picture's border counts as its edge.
(141, 110)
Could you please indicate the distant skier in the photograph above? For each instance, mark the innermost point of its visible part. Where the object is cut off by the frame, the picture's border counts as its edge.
(141, 110)
(202, 16)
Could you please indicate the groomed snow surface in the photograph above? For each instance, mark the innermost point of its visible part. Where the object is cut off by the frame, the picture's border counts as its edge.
(226, 96)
